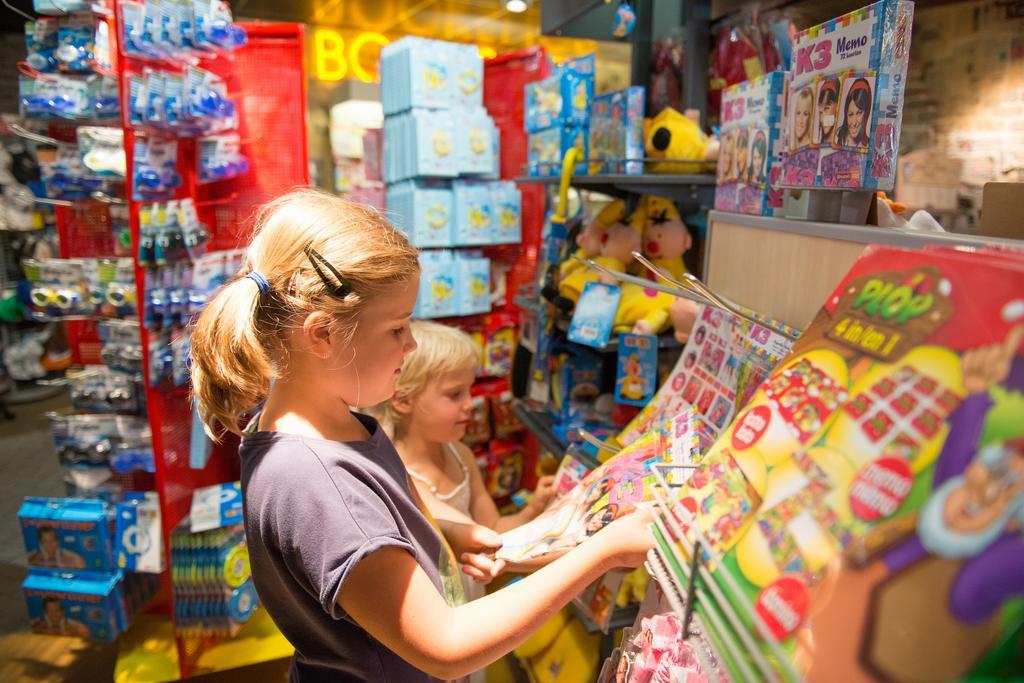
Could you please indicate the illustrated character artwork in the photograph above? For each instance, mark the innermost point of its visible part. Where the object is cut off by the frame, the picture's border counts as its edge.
(54, 622)
(50, 554)
(803, 113)
(939, 592)
(633, 385)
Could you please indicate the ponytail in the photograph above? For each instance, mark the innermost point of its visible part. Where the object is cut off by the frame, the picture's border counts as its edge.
(238, 342)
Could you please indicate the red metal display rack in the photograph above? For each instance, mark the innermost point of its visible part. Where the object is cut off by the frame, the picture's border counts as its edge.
(266, 79)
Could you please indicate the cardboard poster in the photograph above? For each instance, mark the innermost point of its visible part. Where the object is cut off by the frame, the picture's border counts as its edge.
(867, 503)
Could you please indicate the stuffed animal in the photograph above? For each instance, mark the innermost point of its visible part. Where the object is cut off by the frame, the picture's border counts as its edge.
(588, 241)
(683, 313)
(643, 310)
(671, 135)
(617, 246)
(666, 238)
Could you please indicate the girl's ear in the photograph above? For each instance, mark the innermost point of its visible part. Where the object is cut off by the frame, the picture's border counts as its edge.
(316, 333)
(402, 403)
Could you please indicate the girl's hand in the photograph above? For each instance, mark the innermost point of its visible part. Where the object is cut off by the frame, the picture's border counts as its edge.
(473, 546)
(627, 539)
(542, 495)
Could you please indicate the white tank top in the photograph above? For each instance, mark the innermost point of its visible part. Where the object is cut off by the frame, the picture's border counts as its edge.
(459, 497)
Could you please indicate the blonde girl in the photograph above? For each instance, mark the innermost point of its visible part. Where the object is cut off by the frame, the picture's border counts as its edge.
(345, 557)
(803, 112)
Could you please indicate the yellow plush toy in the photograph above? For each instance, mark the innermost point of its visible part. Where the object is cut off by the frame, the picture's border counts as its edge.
(643, 310)
(589, 239)
(618, 243)
(671, 135)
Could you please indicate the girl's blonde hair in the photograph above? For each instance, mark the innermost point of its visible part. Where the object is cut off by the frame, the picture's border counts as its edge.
(238, 342)
(440, 349)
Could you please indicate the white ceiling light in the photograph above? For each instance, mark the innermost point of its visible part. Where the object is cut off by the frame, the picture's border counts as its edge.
(516, 6)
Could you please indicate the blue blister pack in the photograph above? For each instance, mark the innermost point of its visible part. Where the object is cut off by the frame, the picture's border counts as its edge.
(594, 316)
(67, 533)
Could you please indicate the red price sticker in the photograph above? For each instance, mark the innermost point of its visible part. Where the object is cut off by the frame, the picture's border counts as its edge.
(751, 427)
(880, 488)
(782, 606)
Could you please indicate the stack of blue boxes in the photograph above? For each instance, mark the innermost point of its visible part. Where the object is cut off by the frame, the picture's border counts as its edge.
(74, 586)
(440, 159)
(557, 114)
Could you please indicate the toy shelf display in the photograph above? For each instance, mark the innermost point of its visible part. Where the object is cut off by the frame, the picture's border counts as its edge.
(157, 146)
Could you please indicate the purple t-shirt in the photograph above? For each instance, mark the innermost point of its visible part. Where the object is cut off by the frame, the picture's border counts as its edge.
(313, 510)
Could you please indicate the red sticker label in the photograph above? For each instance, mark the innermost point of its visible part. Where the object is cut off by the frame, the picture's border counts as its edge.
(782, 606)
(751, 427)
(880, 488)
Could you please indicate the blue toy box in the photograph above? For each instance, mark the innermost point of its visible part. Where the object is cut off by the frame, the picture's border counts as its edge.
(617, 132)
(415, 72)
(467, 69)
(547, 148)
(577, 385)
(508, 220)
(476, 141)
(750, 163)
(437, 285)
(845, 99)
(67, 533)
(563, 99)
(419, 143)
(474, 213)
(423, 210)
(473, 283)
(81, 604)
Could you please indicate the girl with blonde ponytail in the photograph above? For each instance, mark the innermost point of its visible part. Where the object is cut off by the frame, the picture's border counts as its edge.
(345, 557)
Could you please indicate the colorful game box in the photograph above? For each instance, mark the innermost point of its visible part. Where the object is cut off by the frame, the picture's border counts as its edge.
(868, 500)
(84, 604)
(749, 166)
(547, 148)
(846, 99)
(561, 99)
(67, 533)
(617, 132)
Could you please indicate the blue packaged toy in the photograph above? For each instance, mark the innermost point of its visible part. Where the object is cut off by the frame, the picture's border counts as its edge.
(80, 604)
(750, 163)
(437, 285)
(423, 211)
(576, 386)
(140, 546)
(636, 376)
(594, 317)
(561, 99)
(476, 144)
(845, 99)
(41, 44)
(67, 533)
(473, 284)
(474, 213)
(467, 69)
(419, 143)
(416, 72)
(547, 148)
(617, 132)
(507, 204)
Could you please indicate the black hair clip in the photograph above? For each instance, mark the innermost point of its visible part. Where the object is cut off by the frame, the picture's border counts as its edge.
(340, 290)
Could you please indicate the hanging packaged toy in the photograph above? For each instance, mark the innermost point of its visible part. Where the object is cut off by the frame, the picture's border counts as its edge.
(220, 158)
(846, 99)
(637, 373)
(594, 316)
(102, 151)
(155, 168)
(54, 96)
(41, 44)
(98, 389)
(138, 533)
(83, 43)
